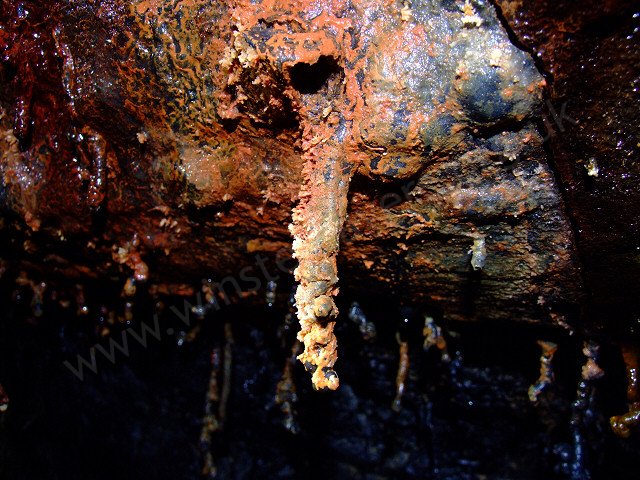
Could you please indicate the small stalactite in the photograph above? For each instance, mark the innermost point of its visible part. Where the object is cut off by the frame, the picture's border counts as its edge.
(216, 401)
(623, 425)
(226, 373)
(37, 292)
(38, 298)
(210, 423)
(591, 370)
(189, 336)
(478, 252)
(401, 376)
(367, 328)
(433, 337)
(583, 415)
(81, 304)
(128, 254)
(546, 370)
(129, 289)
(270, 295)
(288, 326)
(286, 395)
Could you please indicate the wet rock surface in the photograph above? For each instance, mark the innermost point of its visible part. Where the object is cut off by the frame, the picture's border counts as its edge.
(472, 162)
(591, 59)
(205, 120)
(141, 415)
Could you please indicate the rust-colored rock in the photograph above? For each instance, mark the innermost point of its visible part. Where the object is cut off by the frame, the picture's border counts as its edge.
(623, 425)
(396, 142)
(591, 58)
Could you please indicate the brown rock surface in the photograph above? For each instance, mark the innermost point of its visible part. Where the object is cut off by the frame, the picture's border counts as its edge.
(193, 125)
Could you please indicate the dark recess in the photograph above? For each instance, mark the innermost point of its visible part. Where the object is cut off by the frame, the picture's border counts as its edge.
(308, 78)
